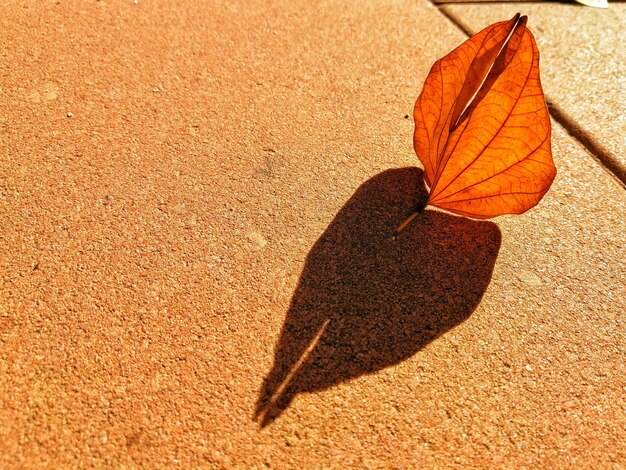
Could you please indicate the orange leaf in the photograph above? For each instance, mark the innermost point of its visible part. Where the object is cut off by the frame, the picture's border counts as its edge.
(482, 128)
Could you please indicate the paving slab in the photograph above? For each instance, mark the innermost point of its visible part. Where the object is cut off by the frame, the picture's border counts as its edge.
(194, 199)
(583, 66)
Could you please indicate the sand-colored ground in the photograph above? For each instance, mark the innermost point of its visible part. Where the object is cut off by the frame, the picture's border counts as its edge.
(197, 198)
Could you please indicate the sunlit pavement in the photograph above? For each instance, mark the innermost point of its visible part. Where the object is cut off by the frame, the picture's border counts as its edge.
(198, 265)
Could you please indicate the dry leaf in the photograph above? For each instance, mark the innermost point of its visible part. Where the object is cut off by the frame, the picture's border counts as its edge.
(482, 128)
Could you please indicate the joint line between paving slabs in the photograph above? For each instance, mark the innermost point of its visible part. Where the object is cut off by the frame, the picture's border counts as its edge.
(601, 154)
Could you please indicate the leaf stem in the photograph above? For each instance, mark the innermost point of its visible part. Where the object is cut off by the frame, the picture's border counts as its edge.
(410, 219)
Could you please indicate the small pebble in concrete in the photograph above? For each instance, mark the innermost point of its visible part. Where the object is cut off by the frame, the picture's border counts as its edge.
(47, 92)
(530, 278)
(257, 240)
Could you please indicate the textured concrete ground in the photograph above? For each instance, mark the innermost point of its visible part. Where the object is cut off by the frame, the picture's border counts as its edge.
(196, 197)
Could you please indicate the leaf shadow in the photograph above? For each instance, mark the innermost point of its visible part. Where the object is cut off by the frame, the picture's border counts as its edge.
(367, 300)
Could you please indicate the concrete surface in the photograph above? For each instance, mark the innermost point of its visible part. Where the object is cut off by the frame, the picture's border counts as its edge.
(583, 66)
(195, 198)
